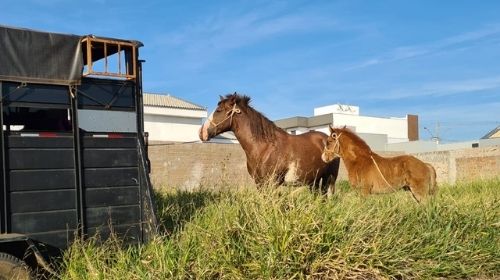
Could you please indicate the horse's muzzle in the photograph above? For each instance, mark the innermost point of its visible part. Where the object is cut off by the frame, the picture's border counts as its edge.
(205, 133)
(326, 157)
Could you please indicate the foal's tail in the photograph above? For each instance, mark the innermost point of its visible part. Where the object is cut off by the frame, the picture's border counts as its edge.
(432, 182)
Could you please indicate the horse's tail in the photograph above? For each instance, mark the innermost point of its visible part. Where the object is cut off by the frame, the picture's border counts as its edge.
(432, 182)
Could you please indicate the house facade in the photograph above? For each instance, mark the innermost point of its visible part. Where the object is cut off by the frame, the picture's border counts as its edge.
(171, 119)
(376, 131)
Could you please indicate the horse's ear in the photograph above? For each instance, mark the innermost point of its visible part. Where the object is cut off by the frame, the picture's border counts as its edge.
(331, 128)
(221, 97)
(232, 99)
(344, 127)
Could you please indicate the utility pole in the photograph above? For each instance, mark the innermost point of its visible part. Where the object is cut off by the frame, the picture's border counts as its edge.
(435, 136)
(438, 127)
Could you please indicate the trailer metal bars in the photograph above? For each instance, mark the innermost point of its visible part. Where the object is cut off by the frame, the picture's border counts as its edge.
(97, 48)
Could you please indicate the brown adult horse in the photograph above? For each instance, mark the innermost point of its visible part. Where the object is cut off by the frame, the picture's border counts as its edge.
(375, 174)
(272, 154)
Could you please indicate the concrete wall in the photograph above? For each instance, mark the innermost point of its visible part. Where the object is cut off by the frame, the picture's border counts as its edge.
(430, 146)
(205, 164)
(189, 166)
(412, 147)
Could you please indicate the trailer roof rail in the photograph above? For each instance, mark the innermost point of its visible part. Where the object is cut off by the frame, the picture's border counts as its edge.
(109, 58)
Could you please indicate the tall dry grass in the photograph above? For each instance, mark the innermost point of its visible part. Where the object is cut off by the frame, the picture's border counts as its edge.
(291, 233)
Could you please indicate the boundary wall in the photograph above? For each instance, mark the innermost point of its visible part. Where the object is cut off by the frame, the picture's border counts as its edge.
(189, 166)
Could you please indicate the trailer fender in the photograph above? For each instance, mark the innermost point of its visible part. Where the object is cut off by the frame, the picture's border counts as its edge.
(24, 249)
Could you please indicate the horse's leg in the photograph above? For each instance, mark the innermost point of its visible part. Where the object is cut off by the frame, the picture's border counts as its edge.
(331, 187)
(327, 185)
(319, 185)
(332, 178)
(258, 183)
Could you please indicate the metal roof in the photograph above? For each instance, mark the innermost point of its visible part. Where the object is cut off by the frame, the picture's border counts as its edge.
(495, 133)
(169, 101)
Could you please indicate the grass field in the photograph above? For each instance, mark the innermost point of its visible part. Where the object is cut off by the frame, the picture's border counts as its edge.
(290, 233)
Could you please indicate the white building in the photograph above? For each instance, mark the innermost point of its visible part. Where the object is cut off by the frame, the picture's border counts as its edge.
(376, 131)
(171, 119)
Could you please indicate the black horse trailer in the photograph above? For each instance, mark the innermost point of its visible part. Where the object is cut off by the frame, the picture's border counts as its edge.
(72, 145)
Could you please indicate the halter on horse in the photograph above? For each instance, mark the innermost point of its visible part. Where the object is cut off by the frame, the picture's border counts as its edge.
(272, 154)
(375, 174)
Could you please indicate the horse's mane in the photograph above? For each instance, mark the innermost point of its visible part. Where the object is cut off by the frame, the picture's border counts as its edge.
(262, 128)
(356, 140)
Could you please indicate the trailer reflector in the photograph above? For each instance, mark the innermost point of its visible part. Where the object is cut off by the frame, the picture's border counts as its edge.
(29, 135)
(115, 135)
(109, 135)
(47, 134)
(40, 134)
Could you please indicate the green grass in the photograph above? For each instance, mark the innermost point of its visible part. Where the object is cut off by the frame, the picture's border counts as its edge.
(290, 233)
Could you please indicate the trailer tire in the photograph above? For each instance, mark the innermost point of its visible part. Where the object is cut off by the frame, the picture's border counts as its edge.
(13, 268)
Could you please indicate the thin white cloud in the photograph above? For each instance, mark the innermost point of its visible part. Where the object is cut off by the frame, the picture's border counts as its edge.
(444, 88)
(464, 114)
(209, 38)
(456, 42)
(466, 121)
(228, 29)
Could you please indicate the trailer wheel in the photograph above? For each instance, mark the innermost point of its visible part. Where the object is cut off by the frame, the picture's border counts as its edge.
(13, 268)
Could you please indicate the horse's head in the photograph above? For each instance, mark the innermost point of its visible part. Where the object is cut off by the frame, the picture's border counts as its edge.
(331, 150)
(221, 119)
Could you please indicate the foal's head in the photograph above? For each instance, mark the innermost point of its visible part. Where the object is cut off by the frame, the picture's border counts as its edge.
(222, 117)
(344, 143)
(331, 150)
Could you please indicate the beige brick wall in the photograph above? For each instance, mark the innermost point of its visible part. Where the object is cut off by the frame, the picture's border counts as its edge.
(442, 163)
(207, 164)
(477, 163)
(191, 165)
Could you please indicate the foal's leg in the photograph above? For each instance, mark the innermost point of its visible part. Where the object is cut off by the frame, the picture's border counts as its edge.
(353, 180)
(432, 179)
(366, 189)
(417, 198)
(366, 186)
(419, 189)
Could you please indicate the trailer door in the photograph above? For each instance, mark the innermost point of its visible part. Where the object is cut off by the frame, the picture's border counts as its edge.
(39, 184)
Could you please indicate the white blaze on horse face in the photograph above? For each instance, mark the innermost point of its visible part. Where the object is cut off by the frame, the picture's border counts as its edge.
(328, 156)
(206, 125)
(324, 157)
(291, 175)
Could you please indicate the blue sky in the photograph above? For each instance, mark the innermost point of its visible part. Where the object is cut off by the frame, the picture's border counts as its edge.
(437, 59)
